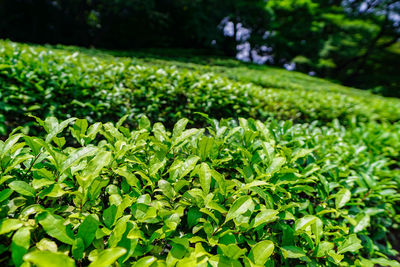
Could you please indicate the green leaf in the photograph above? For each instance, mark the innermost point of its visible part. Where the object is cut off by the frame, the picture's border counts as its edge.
(78, 155)
(205, 177)
(145, 261)
(362, 222)
(5, 194)
(261, 252)
(166, 188)
(336, 257)
(184, 136)
(292, 252)
(47, 244)
(220, 180)
(8, 225)
(144, 123)
(78, 247)
(60, 142)
(179, 127)
(219, 260)
(386, 262)
(342, 197)
(49, 259)
(157, 162)
(323, 248)
(318, 229)
(20, 245)
(240, 206)
(87, 229)
(177, 252)
(93, 130)
(16, 161)
(188, 166)
(54, 190)
(80, 126)
(79, 129)
(57, 157)
(109, 215)
(276, 165)
(94, 167)
(159, 132)
(9, 143)
(351, 244)
(22, 188)
(129, 176)
(205, 146)
(265, 216)
(232, 251)
(118, 231)
(33, 144)
(181, 169)
(300, 153)
(108, 257)
(193, 216)
(53, 127)
(303, 223)
(54, 226)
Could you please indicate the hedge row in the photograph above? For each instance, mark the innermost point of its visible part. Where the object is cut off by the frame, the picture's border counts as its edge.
(50, 82)
(233, 194)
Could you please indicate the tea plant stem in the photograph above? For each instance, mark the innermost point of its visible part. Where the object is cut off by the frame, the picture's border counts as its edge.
(33, 163)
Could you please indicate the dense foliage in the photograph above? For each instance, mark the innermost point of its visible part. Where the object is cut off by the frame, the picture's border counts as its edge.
(171, 167)
(50, 82)
(353, 41)
(254, 194)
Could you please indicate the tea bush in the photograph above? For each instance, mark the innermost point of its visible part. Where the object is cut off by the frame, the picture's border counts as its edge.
(235, 193)
(264, 192)
(52, 82)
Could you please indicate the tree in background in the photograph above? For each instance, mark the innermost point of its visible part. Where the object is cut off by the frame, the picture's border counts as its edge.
(349, 41)
(376, 60)
(250, 15)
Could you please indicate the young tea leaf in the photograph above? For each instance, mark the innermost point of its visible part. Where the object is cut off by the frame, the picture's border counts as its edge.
(49, 259)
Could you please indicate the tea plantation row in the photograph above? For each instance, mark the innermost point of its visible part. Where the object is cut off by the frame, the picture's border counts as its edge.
(117, 187)
(50, 82)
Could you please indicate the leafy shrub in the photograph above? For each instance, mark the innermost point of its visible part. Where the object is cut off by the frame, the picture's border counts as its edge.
(50, 82)
(232, 194)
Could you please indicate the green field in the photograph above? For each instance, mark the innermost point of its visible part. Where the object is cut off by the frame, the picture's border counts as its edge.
(143, 158)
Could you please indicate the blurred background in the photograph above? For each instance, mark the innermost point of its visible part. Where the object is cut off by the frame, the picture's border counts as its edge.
(352, 42)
